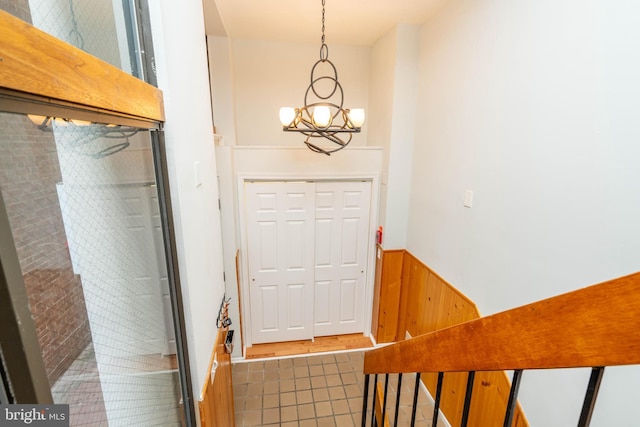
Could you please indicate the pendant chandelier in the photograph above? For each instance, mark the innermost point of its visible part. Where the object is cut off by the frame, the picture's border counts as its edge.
(323, 117)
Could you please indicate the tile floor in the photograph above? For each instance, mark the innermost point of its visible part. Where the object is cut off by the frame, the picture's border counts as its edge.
(317, 390)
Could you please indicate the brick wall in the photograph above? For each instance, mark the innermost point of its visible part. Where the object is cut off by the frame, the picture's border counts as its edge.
(29, 172)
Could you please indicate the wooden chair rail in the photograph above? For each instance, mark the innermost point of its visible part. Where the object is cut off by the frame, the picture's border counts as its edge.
(594, 326)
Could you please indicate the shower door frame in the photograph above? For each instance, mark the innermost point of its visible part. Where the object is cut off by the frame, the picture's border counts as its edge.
(98, 97)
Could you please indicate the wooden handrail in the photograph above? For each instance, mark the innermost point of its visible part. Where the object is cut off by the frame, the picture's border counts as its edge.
(594, 326)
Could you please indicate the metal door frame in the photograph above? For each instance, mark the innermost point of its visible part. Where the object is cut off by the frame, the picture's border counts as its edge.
(23, 365)
(23, 377)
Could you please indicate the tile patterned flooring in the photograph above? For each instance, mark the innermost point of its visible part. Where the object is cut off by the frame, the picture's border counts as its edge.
(318, 390)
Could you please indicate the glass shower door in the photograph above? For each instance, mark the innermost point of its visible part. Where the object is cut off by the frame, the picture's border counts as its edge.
(84, 213)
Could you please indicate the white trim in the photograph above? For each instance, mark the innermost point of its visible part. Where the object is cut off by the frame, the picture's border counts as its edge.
(441, 418)
(245, 312)
(300, 148)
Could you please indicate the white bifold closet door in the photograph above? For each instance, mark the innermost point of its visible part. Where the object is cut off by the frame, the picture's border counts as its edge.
(307, 252)
(341, 242)
(280, 226)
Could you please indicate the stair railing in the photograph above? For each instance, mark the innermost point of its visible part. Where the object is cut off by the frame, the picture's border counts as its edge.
(593, 327)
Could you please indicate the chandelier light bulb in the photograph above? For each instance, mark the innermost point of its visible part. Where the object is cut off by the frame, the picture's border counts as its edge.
(287, 116)
(356, 117)
(321, 116)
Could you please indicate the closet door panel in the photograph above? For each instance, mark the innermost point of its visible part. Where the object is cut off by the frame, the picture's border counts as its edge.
(280, 232)
(342, 236)
(307, 249)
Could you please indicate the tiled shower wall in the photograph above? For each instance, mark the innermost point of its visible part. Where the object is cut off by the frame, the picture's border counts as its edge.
(29, 172)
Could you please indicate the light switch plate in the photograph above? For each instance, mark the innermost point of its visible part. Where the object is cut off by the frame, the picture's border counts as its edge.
(196, 173)
(468, 198)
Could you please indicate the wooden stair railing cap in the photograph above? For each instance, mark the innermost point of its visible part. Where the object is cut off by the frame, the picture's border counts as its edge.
(594, 326)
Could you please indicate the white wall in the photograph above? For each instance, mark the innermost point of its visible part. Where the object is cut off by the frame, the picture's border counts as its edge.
(221, 77)
(533, 106)
(250, 81)
(380, 112)
(230, 238)
(392, 121)
(296, 162)
(181, 59)
(270, 75)
(402, 136)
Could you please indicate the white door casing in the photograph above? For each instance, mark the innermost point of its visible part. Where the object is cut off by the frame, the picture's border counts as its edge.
(280, 226)
(341, 248)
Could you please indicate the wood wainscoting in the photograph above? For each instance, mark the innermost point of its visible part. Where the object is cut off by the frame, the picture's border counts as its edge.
(386, 296)
(216, 401)
(411, 299)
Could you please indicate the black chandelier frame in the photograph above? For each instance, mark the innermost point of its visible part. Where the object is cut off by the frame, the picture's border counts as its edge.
(339, 122)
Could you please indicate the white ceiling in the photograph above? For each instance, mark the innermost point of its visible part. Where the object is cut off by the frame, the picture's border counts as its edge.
(356, 22)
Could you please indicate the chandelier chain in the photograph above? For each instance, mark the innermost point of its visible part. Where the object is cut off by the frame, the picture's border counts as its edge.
(323, 21)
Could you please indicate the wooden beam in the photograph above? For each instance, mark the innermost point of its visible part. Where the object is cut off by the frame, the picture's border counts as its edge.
(595, 326)
(37, 64)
